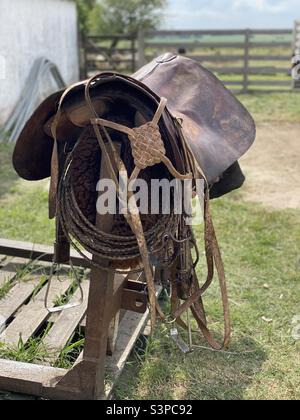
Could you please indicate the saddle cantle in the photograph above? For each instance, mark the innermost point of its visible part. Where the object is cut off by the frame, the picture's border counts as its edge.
(217, 127)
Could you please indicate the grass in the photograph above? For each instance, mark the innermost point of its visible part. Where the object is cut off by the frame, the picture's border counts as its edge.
(273, 107)
(5, 288)
(23, 205)
(35, 352)
(261, 255)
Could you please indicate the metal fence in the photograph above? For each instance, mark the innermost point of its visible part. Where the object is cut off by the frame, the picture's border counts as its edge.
(247, 61)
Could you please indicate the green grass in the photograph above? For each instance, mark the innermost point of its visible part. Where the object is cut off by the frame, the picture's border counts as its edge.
(8, 175)
(273, 107)
(261, 255)
(35, 352)
(5, 288)
(23, 205)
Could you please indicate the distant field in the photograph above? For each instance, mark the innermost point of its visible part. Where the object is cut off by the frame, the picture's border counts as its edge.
(222, 38)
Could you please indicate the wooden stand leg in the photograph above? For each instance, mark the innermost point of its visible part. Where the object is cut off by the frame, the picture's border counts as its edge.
(97, 328)
(100, 313)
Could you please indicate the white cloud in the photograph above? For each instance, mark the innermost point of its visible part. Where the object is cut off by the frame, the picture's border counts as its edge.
(261, 5)
(231, 14)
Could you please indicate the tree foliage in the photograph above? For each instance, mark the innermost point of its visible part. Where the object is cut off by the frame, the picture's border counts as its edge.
(119, 16)
(85, 8)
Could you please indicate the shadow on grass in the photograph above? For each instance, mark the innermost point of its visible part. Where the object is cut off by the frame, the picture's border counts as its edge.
(160, 372)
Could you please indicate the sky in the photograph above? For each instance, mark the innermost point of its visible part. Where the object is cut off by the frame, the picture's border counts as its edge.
(231, 14)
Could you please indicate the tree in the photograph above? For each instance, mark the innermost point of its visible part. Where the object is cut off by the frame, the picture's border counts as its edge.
(85, 8)
(120, 16)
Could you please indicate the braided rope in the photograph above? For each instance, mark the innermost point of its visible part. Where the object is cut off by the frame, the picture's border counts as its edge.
(87, 238)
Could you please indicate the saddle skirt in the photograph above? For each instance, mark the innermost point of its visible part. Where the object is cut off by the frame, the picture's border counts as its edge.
(218, 129)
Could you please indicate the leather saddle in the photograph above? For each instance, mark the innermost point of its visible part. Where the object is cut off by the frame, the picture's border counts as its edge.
(217, 127)
(171, 119)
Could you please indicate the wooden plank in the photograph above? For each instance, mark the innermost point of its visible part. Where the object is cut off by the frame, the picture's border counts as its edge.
(130, 329)
(33, 315)
(121, 37)
(208, 58)
(196, 44)
(216, 45)
(15, 298)
(233, 82)
(274, 44)
(217, 58)
(35, 251)
(3, 258)
(217, 32)
(251, 70)
(271, 31)
(265, 91)
(188, 33)
(10, 268)
(270, 83)
(27, 378)
(65, 325)
(97, 49)
(262, 57)
(246, 61)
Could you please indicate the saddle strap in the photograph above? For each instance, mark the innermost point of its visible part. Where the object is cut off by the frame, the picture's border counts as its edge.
(213, 260)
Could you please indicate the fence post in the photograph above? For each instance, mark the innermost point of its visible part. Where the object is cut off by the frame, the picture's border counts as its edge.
(83, 56)
(141, 48)
(133, 53)
(246, 61)
(296, 49)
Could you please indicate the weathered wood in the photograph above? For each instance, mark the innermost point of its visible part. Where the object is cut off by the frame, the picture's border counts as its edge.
(58, 383)
(10, 268)
(28, 378)
(274, 44)
(194, 41)
(33, 315)
(217, 32)
(246, 61)
(194, 44)
(15, 298)
(265, 91)
(130, 329)
(263, 57)
(3, 258)
(141, 48)
(286, 83)
(65, 325)
(32, 251)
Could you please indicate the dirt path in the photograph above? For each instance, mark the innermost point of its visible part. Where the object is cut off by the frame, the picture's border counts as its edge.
(272, 167)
